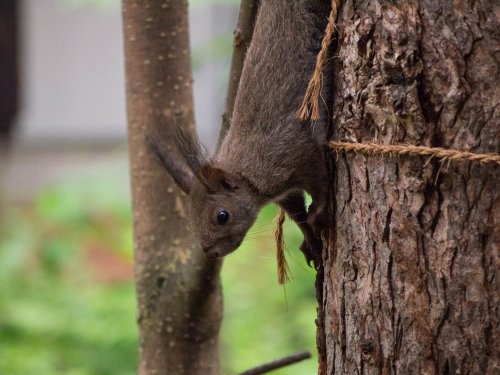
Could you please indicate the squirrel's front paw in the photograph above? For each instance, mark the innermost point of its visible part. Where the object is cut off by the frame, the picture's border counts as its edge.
(311, 248)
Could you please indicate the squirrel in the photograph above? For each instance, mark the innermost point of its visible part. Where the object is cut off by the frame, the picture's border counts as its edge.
(267, 155)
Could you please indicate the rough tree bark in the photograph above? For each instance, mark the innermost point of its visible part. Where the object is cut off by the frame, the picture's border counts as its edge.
(178, 288)
(411, 277)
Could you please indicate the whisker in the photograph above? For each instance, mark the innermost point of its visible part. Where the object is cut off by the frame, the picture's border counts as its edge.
(258, 226)
(258, 237)
(260, 231)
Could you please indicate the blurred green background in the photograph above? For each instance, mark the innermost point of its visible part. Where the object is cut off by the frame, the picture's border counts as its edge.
(67, 303)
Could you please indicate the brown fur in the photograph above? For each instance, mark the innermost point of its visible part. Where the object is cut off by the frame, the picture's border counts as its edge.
(267, 155)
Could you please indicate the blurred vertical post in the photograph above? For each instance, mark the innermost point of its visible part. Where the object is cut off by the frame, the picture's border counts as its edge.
(178, 288)
(8, 68)
(8, 81)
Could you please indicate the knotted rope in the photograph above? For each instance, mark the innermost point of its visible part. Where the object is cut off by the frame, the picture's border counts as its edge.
(397, 150)
(310, 105)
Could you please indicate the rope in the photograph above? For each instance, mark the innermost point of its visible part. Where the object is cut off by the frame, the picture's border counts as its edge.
(310, 105)
(283, 269)
(441, 153)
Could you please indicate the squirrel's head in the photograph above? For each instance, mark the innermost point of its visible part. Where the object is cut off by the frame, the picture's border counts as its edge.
(222, 206)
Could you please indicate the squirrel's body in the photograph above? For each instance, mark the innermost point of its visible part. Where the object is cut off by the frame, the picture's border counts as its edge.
(268, 154)
(266, 142)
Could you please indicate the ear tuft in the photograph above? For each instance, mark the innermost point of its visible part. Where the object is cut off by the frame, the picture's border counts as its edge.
(193, 152)
(182, 177)
(215, 179)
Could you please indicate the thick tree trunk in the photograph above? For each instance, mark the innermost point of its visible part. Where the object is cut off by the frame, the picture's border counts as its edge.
(179, 298)
(411, 276)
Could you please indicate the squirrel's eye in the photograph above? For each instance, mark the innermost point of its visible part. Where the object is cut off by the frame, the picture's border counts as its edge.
(222, 217)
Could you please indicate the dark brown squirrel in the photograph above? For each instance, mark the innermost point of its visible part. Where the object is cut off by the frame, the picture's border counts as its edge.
(268, 155)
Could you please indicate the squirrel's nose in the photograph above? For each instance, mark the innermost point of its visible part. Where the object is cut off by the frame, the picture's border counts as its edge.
(212, 252)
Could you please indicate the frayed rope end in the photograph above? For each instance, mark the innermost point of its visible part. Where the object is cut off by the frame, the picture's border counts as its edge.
(283, 270)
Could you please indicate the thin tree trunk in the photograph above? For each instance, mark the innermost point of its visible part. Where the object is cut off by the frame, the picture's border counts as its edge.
(411, 277)
(242, 38)
(178, 288)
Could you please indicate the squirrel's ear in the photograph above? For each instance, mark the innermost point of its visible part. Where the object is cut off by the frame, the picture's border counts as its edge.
(182, 177)
(216, 179)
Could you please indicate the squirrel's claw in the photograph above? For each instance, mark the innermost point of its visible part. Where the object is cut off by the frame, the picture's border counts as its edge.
(311, 248)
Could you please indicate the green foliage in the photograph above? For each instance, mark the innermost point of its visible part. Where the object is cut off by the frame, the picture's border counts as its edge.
(59, 315)
(55, 316)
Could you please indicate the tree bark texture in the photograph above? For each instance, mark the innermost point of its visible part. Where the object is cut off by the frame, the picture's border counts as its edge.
(411, 273)
(178, 288)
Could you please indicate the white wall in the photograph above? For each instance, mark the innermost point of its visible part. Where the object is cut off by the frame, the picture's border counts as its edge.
(73, 72)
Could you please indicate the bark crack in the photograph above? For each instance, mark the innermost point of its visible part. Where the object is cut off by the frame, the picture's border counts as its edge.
(387, 228)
